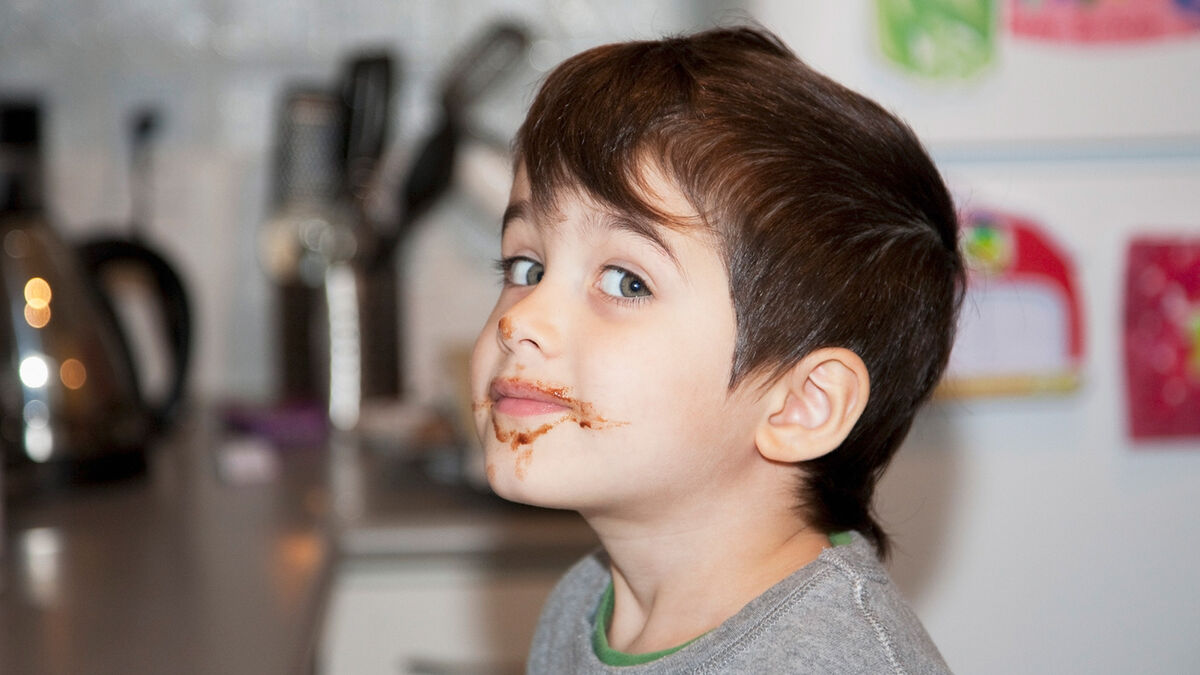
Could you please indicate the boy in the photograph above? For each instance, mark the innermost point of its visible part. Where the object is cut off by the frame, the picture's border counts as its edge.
(728, 285)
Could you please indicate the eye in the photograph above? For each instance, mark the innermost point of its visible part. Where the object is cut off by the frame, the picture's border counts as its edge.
(621, 283)
(522, 271)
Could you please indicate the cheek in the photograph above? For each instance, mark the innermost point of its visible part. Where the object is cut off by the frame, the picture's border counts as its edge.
(663, 380)
(483, 359)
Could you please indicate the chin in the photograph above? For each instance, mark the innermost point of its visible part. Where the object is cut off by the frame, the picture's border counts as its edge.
(503, 479)
(505, 484)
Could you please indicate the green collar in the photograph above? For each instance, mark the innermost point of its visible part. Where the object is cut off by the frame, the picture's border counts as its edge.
(614, 657)
(841, 538)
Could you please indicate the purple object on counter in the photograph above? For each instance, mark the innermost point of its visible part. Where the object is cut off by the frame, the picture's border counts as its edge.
(285, 424)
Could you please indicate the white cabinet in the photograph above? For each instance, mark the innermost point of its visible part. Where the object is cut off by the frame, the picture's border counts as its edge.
(435, 615)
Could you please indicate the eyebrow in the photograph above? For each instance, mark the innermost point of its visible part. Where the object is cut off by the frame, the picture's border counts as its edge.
(641, 227)
(518, 210)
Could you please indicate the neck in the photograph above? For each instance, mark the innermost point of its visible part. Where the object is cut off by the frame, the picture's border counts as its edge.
(685, 572)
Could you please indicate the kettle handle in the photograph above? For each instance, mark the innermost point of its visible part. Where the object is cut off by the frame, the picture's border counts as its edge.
(97, 255)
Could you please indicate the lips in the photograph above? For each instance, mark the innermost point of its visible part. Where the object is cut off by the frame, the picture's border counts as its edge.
(521, 398)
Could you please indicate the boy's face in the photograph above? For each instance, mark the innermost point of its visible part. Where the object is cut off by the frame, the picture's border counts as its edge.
(600, 381)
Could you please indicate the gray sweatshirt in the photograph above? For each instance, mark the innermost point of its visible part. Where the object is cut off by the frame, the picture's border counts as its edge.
(839, 614)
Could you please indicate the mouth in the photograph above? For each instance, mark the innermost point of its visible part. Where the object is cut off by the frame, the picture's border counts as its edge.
(521, 398)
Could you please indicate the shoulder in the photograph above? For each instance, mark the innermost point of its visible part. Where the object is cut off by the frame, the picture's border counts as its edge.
(564, 631)
(839, 614)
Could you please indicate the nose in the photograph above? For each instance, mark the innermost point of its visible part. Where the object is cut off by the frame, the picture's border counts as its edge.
(532, 323)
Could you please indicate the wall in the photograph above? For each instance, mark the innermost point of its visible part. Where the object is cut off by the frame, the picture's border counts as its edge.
(1032, 533)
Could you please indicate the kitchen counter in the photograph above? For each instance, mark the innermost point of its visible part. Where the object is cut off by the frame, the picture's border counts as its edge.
(186, 571)
(175, 571)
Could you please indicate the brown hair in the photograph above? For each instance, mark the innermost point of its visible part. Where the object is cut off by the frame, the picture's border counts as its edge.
(837, 228)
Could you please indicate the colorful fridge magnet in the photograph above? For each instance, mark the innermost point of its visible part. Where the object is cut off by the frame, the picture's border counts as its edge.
(1162, 337)
(1021, 329)
(1102, 21)
(937, 38)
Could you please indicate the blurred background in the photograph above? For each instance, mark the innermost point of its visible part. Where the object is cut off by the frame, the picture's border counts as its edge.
(264, 232)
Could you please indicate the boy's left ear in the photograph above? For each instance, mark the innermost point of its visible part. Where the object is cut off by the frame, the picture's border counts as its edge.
(813, 407)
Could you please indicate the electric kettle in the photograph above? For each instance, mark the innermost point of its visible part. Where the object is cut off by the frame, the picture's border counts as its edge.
(71, 408)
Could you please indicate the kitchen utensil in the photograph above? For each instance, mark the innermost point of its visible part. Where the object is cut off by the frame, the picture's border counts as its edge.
(367, 105)
(312, 223)
(71, 406)
(133, 257)
(473, 72)
(311, 232)
(366, 90)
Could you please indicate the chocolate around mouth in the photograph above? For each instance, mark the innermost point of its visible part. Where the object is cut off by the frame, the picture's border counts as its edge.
(582, 413)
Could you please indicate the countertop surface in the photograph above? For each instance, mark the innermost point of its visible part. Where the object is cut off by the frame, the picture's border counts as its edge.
(187, 570)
